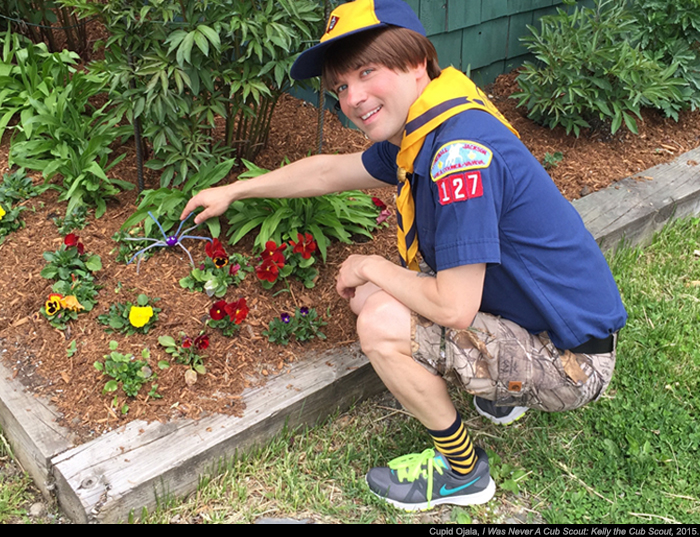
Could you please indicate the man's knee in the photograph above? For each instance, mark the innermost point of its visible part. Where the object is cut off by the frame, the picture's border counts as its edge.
(384, 325)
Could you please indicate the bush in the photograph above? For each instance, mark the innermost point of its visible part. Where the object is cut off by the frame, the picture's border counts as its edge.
(593, 68)
(178, 64)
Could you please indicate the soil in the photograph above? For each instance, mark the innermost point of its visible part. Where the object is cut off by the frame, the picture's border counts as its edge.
(38, 354)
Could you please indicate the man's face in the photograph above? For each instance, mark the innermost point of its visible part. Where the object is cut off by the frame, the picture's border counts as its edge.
(376, 99)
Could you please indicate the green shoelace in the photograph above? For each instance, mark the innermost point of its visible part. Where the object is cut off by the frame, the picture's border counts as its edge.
(411, 467)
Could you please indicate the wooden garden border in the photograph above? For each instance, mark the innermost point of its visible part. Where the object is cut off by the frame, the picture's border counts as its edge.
(129, 468)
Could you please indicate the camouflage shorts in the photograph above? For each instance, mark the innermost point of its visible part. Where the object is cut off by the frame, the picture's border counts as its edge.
(500, 361)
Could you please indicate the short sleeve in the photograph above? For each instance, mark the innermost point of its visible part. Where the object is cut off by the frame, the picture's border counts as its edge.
(380, 162)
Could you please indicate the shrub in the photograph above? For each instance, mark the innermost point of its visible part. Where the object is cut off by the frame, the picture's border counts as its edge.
(591, 67)
(178, 64)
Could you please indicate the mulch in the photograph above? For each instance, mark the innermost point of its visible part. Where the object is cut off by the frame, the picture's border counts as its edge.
(37, 354)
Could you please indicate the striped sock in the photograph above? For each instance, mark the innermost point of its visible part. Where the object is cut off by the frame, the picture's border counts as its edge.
(456, 445)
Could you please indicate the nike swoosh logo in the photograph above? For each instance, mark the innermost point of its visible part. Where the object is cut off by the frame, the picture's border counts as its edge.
(444, 491)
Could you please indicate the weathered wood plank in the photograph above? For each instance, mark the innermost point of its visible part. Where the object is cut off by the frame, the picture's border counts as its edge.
(125, 469)
(29, 424)
(638, 206)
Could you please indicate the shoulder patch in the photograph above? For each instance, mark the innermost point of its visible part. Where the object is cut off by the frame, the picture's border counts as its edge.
(459, 156)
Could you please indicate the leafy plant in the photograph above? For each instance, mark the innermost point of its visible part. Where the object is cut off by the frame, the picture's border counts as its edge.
(178, 64)
(59, 131)
(590, 68)
(75, 220)
(41, 16)
(214, 280)
(286, 260)
(167, 204)
(70, 262)
(336, 216)
(128, 318)
(128, 373)
(14, 189)
(552, 160)
(187, 352)
(303, 325)
(671, 30)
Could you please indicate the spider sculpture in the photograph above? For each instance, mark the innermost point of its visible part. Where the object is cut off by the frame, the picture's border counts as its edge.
(173, 240)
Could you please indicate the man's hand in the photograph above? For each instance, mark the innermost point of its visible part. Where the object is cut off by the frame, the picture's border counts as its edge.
(214, 200)
(349, 277)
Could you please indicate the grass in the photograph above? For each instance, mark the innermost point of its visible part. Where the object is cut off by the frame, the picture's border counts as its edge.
(629, 458)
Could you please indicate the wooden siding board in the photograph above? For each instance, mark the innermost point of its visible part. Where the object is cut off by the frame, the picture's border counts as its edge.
(487, 74)
(517, 29)
(484, 44)
(493, 9)
(449, 49)
(433, 15)
(462, 14)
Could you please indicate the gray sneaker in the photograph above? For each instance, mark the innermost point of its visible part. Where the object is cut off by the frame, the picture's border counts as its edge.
(423, 480)
(500, 415)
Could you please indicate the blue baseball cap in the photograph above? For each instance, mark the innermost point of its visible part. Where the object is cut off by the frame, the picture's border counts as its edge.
(352, 18)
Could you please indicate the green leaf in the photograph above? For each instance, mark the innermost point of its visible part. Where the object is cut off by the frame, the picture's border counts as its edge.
(167, 341)
(94, 263)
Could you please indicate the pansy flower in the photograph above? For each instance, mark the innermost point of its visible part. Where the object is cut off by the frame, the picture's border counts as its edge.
(70, 302)
(305, 245)
(53, 304)
(140, 315)
(272, 262)
(285, 318)
(218, 310)
(201, 342)
(386, 213)
(186, 342)
(233, 269)
(71, 240)
(304, 311)
(215, 250)
(2, 212)
(237, 311)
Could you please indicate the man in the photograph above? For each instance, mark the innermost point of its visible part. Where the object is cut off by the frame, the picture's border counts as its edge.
(513, 299)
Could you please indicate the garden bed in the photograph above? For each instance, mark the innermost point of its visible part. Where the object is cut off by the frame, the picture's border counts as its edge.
(37, 356)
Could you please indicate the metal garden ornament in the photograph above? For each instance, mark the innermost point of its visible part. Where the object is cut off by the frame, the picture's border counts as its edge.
(173, 240)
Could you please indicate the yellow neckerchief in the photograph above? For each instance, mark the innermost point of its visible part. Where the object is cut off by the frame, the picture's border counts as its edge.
(445, 96)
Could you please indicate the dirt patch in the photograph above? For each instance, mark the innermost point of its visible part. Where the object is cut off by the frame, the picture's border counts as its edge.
(38, 354)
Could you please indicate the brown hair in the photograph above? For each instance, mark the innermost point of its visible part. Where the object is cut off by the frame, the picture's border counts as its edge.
(393, 47)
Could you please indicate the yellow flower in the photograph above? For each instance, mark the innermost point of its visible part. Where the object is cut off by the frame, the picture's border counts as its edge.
(2, 212)
(71, 303)
(140, 315)
(53, 304)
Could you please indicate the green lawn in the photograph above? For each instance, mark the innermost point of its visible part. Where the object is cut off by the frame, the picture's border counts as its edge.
(630, 457)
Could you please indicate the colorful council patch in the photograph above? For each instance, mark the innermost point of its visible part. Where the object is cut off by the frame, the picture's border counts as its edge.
(459, 156)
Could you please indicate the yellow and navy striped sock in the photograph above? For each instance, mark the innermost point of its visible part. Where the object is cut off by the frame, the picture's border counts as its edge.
(456, 445)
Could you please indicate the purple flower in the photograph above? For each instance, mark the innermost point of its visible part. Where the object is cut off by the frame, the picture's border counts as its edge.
(304, 311)
(285, 318)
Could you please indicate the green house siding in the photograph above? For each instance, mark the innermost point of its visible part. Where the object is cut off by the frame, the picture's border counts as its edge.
(479, 37)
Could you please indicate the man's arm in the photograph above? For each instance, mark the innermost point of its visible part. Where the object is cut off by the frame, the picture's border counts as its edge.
(451, 299)
(311, 176)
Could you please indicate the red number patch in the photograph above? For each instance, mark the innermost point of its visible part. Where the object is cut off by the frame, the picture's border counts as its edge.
(459, 187)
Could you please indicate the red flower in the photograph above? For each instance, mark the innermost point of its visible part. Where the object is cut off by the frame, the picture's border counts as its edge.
(305, 245)
(201, 342)
(217, 311)
(273, 251)
(216, 251)
(71, 240)
(233, 269)
(379, 203)
(268, 270)
(186, 342)
(272, 262)
(237, 311)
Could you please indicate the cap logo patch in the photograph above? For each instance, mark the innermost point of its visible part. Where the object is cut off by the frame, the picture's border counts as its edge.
(331, 23)
(459, 156)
